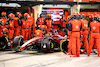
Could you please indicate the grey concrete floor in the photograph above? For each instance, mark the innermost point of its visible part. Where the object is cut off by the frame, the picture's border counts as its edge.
(57, 59)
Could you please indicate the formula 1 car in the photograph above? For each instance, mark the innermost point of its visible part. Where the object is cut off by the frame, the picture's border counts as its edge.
(46, 43)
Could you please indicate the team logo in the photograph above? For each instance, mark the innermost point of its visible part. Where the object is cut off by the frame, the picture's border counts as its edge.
(85, 25)
(77, 27)
(10, 24)
(94, 21)
(75, 20)
(50, 21)
(89, 16)
(94, 28)
(40, 20)
(37, 33)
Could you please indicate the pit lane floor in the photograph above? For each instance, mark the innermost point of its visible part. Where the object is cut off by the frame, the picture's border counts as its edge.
(57, 59)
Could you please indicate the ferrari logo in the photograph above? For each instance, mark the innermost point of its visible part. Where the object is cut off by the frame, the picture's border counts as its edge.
(75, 20)
(77, 27)
(85, 25)
(94, 28)
(50, 21)
(23, 23)
(38, 33)
(89, 16)
(94, 21)
(10, 24)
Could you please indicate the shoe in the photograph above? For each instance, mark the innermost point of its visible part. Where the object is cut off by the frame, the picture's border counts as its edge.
(78, 55)
(73, 56)
(88, 55)
(98, 55)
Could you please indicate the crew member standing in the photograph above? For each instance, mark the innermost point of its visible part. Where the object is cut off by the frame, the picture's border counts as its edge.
(1, 28)
(75, 27)
(70, 19)
(49, 23)
(17, 24)
(62, 23)
(25, 28)
(85, 30)
(30, 21)
(11, 27)
(4, 17)
(94, 35)
(40, 20)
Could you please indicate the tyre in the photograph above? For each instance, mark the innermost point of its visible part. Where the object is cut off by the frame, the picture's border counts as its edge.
(3, 42)
(47, 45)
(64, 46)
(51, 46)
(17, 42)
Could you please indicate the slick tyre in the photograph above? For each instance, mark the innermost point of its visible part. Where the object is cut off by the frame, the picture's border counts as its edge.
(51, 46)
(64, 46)
(17, 42)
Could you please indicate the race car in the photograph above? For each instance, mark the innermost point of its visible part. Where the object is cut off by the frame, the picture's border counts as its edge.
(46, 43)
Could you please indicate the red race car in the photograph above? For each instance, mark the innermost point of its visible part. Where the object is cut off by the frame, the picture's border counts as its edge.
(47, 42)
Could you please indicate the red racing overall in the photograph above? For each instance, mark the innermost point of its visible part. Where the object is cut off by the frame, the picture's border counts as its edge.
(25, 27)
(75, 27)
(94, 36)
(11, 30)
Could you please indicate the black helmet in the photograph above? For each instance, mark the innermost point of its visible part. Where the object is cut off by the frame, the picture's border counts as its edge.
(75, 17)
(96, 19)
(83, 17)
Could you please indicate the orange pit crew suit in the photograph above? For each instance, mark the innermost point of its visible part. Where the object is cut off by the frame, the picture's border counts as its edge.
(11, 27)
(49, 25)
(85, 31)
(41, 30)
(25, 29)
(11, 31)
(30, 21)
(75, 27)
(39, 21)
(1, 28)
(17, 27)
(4, 18)
(94, 36)
(17, 24)
(70, 19)
(5, 31)
(39, 33)
(62, 23)
(48, 22)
